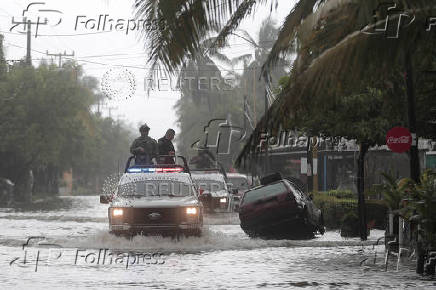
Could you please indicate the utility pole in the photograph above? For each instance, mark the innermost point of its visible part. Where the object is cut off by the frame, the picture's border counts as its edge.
(60, 56)
(28, 28)
(29, 43)
(110, 109)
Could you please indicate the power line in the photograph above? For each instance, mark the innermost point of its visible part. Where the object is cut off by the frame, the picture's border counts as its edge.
(60, 56)
(58, 35)
(80, 59)
(15, 45)
(107, 55)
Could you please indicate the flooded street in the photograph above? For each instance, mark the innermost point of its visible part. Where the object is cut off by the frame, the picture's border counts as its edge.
(78, 251)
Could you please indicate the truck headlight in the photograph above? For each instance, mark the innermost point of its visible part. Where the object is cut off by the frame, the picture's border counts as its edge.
(191, 210)
(117, 212)
(223, 200)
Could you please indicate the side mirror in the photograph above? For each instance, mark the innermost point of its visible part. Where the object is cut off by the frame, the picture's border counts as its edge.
(200, 191)
(311, 196)
(235, 191)
(105, 199)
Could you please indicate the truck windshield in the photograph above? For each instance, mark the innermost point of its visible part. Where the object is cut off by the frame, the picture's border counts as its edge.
(156, 188)
(265, 191)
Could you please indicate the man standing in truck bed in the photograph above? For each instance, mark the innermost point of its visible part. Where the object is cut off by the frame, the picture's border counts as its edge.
(144, 148)
(166, 147)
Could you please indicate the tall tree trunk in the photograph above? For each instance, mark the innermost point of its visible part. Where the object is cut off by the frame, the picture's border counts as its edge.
(309, 170)
(361, 208)
(414, 154)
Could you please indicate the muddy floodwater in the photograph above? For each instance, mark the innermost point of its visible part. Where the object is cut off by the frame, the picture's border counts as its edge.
(71, 248)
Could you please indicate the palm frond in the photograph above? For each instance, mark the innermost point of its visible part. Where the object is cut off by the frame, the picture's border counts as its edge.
(335, 61)
(287, 32)
(246, 36)
(244, 9)
(180, 26)
(244, 58)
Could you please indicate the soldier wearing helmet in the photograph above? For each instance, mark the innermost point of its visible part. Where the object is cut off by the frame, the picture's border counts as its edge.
(144, 148)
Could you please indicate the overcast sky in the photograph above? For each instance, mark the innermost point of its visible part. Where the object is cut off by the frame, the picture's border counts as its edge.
(99, 52)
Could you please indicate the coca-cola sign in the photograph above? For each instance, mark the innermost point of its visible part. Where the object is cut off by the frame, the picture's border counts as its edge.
(399, 139)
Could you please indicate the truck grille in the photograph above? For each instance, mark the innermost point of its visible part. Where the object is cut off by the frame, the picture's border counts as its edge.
(154, 216)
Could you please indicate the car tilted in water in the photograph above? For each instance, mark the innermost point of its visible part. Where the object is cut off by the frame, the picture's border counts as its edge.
(214, 192)
(279, 209)
(158, 199)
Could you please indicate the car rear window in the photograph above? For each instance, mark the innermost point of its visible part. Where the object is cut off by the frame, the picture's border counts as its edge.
(239, 182)
(265, 191)
(210, 185)
(297, 193)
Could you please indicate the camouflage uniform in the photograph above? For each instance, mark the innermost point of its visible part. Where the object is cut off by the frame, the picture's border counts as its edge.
(150, 150)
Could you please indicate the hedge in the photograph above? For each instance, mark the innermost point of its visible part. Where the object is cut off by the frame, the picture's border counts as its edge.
(334, 209)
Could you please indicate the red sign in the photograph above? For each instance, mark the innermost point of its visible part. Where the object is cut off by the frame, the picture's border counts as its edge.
(399, 139)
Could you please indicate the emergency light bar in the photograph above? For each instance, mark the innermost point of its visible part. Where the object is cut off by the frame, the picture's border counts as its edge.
(155, 170)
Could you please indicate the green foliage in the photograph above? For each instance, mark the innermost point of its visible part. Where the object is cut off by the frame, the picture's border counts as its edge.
(422, 202)
(350, 225)
(393, 191)
(335, 205)
(3, 64)
(341, 194)
(412, 200)
(47, 126)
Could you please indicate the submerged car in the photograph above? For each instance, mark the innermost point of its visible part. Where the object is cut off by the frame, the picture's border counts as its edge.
(214, 192)
(157, 199)
(278, 209)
